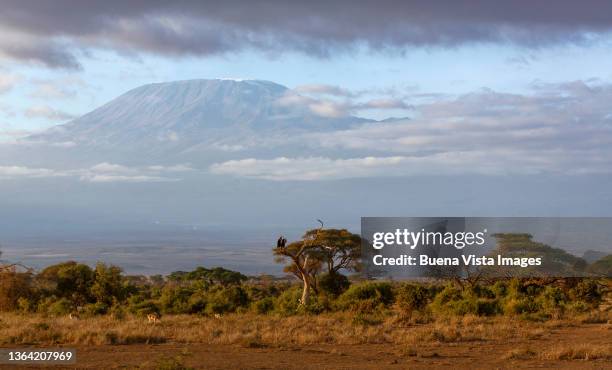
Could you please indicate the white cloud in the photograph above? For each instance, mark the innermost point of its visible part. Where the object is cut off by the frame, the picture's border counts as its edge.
(106, 167)
(229, 147)
(8, 82)
(321, 168)
(323, 89)
(20, 137)
(324, 108)
(111, 172)
(557, 128)
(175, 168)
(567, 127)
(334, 108)
(383, 104)
(13, 172)
(100, 173)
(64, 144)
(61, 88)
(121, 178)
(44, 111)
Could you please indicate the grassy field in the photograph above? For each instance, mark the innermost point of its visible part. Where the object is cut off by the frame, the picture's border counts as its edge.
(184, 341)
(262, 330)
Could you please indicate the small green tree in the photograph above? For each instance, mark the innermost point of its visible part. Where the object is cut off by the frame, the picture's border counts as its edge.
(14, 285)
(69, 280)
(108, 284)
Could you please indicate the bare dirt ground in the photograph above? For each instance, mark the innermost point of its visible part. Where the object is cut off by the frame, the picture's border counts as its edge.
(491, 354)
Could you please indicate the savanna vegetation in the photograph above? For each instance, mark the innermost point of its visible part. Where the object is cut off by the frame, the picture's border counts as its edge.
(323, 303)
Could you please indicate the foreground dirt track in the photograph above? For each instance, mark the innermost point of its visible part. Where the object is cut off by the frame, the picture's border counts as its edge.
(469, 355)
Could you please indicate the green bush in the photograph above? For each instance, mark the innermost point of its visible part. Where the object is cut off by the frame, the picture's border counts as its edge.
(366, 297)
(60, 288)
(587, 290)
(263, 306)
(411, 297)
(287, 302)
(319, 304)
(333, 284)
(500, 289)
(97, 308)
(197, 303)
(229, 299)
(462, 306)
(140, 307)
(482, 291)
(453, 301)
(515, 306)
(61, 307)
(444, 297)
(488, 307)
(176, 299)
(552, 300)
(578, 307)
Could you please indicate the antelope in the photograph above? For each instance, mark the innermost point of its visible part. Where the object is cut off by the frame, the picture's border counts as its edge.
(153, 318)
(218, 316)
(74, 316)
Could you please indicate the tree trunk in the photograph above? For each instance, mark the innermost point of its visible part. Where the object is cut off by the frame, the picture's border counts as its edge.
(306, 292)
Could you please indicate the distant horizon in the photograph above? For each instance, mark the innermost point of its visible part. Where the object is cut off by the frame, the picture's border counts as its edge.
(150, 252)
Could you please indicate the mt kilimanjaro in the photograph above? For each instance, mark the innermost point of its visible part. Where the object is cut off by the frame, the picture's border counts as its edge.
(194, 116)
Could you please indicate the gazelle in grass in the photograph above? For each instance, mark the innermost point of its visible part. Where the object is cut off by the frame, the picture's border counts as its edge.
(73, 316)
(153, 318)
(218, 316)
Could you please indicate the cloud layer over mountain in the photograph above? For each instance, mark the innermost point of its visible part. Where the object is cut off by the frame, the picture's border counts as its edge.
(557, 129)
(57, 33)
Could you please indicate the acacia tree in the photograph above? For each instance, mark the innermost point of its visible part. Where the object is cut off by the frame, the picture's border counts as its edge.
(302, 263)
(335, 249)
(338, 249)
(556, 262)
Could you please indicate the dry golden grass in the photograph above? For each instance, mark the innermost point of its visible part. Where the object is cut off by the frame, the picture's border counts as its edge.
(259, 330)
(519, 354)
(595, 317)
(578, 352)
(565, 352)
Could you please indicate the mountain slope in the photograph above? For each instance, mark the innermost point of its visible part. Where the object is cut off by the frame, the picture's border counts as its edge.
(194, 113)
